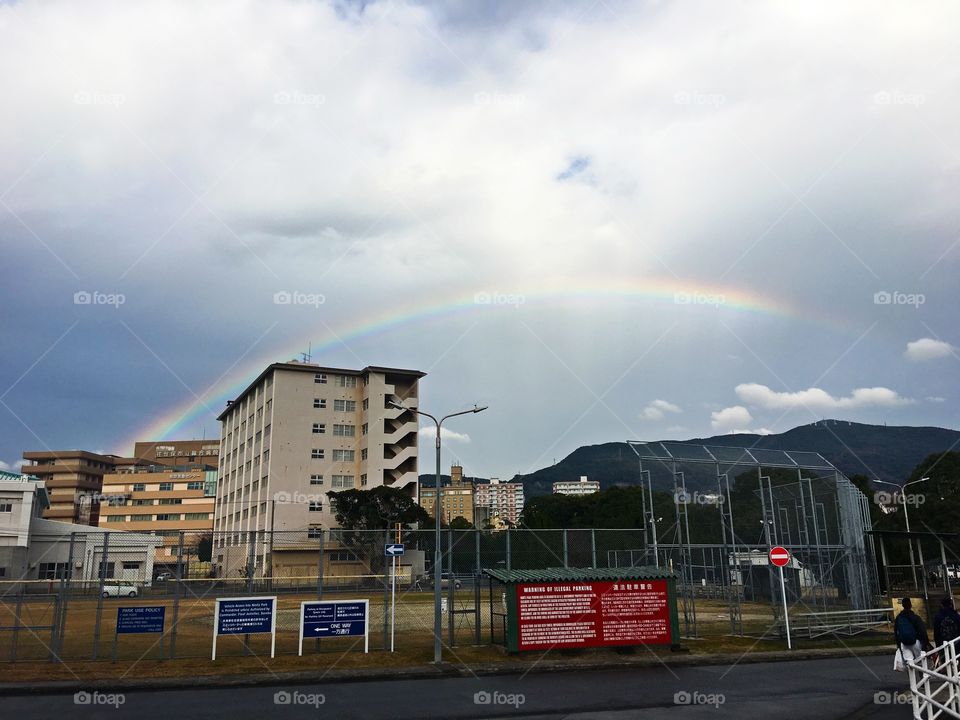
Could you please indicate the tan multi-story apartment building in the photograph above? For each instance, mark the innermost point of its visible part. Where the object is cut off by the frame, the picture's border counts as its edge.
(73, 479)
(178, 452)
(502, 500)
(583, 486)
(161, 500)
(300, 430)
(456, 499)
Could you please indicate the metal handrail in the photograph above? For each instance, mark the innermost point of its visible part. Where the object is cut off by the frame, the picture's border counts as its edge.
(936, 666)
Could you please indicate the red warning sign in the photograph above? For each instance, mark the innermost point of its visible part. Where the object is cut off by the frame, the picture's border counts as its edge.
(593, 614)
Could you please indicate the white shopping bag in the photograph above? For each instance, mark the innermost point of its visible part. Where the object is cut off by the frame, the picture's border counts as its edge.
(898, 661)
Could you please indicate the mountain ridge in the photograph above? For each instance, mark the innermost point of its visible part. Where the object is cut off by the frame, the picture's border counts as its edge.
(882, 453)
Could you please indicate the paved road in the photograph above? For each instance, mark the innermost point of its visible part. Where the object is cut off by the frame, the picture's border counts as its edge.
(816, 689)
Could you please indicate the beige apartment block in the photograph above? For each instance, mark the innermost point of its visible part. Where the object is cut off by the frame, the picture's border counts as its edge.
(298, 431)
(456, 500)
(178, 452)
(73, 479)
(163, 501)
(503, 500)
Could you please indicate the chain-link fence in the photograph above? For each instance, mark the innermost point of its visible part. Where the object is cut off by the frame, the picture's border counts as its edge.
(62, 596)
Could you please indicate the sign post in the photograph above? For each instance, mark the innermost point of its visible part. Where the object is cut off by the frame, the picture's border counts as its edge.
(139, 619)
(780, 558)
(393, 550)
(335, 618)
(245, 615)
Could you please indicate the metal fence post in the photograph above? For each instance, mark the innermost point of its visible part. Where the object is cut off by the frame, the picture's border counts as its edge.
(103, 575)
(60, 623)
(566, 555)
(593, 548)
(451, 588)
(176, 598)
(509, 564)
(319, 578)
(251, 564)
(17, 620)
(476, 586)
(386, 592)
(251, 558)
(320, 569)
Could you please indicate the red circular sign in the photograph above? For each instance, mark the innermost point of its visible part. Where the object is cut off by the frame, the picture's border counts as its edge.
(779, 556)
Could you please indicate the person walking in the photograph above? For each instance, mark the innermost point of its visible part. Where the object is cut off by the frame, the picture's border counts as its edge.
(946, 625)
(911, 636)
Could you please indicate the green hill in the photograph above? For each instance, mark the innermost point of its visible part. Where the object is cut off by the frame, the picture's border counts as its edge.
(878, 451)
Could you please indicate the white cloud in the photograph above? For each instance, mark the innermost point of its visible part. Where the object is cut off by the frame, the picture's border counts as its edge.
(8, 467)
(936, 399)
(928, 349)
(730, 419)
(815, 399)
(658, 408)
(445, 434)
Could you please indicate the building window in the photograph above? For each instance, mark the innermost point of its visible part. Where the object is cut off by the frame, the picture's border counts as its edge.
(139, 487)
(105, 573)
(195, 485)
(115, 518)
(315, 506)
(343, 455)
(165, 486)
(130, 565)
(320, 378)
(316, 479)
(344, 430)
(319, 428)
(52, 571)
(363, 479)
(344, 405)
(363, 453)
(168, 516)
(341, 482)
(320, 403)
(365, 428)
(6, 507)
(317, 454)
(314, 533)
(366, 403)
(143, 502)
(171, 501)
(346, 381)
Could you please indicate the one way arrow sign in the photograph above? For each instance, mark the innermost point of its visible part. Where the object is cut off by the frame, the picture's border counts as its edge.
(393, 549)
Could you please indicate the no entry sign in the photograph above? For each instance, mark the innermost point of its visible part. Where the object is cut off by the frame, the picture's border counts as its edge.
(779, 556)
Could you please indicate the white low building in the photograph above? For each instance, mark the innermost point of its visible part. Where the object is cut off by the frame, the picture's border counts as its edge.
(583, 486)
(37, 551)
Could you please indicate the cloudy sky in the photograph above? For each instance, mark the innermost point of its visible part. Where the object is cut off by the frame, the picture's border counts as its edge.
(604, 220)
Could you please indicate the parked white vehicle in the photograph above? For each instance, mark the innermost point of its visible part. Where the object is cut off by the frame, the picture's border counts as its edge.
(120, 590)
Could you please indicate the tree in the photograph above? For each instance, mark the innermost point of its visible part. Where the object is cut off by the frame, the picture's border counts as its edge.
(460, 523)
(364, 516)
(204, 547)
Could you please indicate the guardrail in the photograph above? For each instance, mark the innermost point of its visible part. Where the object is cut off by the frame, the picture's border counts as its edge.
(843, 622)
(935, 682)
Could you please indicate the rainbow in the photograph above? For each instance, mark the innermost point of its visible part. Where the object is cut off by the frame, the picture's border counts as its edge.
(171, 423)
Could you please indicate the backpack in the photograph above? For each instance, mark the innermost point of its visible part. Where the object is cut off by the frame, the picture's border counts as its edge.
(906, 632)
(949, 627)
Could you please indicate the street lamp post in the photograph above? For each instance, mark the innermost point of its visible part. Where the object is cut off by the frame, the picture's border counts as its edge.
(437, 555)
(906, 519)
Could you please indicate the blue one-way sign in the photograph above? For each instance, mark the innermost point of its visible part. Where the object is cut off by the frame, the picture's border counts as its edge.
(338, 618)
(393, 549)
